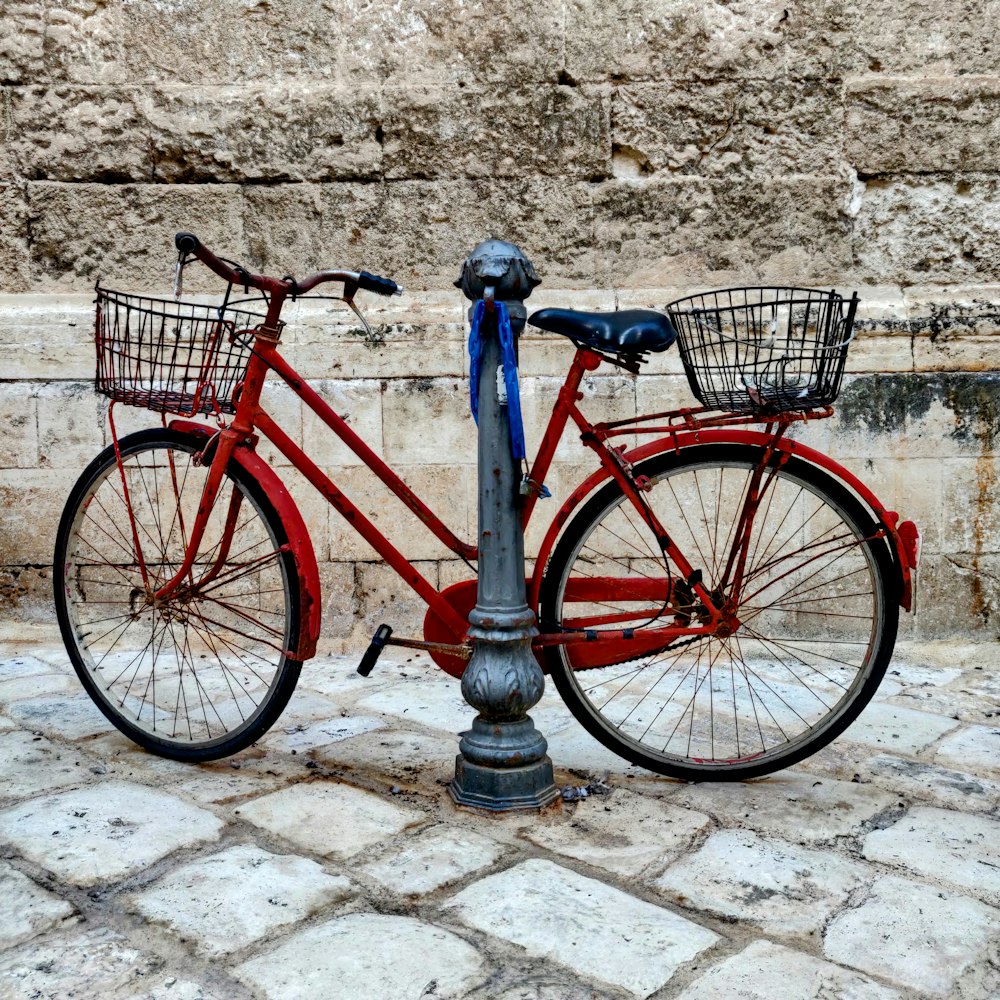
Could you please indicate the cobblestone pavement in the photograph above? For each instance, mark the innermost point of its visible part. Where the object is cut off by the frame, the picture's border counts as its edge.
(329, 862)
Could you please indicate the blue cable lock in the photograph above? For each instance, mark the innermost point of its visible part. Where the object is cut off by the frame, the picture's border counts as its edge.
(506, 335)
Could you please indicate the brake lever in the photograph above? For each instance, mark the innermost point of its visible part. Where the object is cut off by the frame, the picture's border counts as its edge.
(350, 290)
(179, 276)
(369, 335)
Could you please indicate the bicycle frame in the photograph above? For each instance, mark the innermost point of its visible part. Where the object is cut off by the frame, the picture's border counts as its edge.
(251, 417)
(681, 429)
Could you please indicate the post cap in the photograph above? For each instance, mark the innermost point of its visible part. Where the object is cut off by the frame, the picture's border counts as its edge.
(500, 265)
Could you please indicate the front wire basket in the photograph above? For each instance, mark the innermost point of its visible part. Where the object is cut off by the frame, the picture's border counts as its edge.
(171, 356)
(752, 350)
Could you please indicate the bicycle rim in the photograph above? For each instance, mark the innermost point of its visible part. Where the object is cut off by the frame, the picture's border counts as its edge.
(204, 672)
(817, 616)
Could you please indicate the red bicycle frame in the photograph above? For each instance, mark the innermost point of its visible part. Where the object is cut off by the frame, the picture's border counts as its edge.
(446, 623)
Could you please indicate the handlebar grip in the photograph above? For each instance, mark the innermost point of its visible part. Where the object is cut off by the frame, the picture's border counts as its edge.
(380, 286)
(186, 242)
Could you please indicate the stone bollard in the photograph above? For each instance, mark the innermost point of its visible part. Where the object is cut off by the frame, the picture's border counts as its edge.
(503, 763)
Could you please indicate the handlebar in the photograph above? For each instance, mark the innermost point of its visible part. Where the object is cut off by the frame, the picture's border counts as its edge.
(186, 242)
(380, 286)
(189, 244)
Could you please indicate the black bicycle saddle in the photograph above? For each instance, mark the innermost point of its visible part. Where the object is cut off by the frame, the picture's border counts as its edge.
(631, 331)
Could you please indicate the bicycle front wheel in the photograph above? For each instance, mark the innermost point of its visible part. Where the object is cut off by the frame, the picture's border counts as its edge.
(816, 612)
(206, 671)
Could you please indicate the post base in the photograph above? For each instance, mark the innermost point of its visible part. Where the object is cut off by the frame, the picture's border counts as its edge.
(503, 789)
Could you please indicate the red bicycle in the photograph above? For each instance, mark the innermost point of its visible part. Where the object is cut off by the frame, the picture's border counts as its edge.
(716, 603)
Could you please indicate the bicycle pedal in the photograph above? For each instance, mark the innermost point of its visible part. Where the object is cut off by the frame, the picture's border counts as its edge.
(374, 650)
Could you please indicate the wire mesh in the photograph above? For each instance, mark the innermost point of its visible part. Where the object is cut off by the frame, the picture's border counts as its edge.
(762, 349)
(170, 356)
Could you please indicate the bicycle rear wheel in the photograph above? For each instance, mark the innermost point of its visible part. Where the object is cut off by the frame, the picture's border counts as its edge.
(817, 616)
(205, 672)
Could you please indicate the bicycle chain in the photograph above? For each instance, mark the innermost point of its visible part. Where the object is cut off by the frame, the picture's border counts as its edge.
(680, 643)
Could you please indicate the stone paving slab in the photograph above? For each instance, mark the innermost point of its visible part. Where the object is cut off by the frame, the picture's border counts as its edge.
(400, 758)
(593, 928)
(72, 716)
(30, 764)
(307, 706)
(335, 820)
(942, 786)
(793, 806)
(906, 777)
(972, 704)
(436, 858)
(320, 859)
(24, 675)
(912, 675)
(982, 683)
(929, 941)
(767, 971)
(240, 896)
(308, 737)
(899, 730)
(573, 748)
(337, 677)
(929, 842)
(49, 659)
(105, 832)
(620, 832)
(95, 963)
(780, 887)
(249, 773)
(367, 955)
(976, 748)
(544, 987)
(33, 685)
(438, 706)
(27, 909)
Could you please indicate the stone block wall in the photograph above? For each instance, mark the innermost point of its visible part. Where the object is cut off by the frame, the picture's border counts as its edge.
(638, 151)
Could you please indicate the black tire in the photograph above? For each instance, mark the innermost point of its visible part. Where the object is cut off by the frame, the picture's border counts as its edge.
(205, 673)
(818, 617)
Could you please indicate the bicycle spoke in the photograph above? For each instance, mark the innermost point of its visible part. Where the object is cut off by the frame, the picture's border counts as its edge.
(791, 652)
(240, 571)
(227, 672)
(129, 580)
(203, 671)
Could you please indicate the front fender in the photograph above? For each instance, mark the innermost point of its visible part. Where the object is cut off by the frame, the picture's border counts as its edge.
(903, 538)
(299, 541)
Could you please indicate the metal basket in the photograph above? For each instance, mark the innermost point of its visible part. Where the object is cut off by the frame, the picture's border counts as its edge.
(169, 356)
(752, 350)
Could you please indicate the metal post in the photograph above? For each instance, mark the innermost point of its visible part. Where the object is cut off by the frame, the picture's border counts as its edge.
(503, 763)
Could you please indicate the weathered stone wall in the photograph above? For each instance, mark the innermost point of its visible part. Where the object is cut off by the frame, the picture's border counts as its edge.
(637, 150)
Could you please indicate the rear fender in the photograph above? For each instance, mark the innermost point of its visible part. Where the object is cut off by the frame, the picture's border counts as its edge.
(903, 538)
(299, 541)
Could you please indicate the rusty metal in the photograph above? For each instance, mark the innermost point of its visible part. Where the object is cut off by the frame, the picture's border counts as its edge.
(463, 652)
(269, 334)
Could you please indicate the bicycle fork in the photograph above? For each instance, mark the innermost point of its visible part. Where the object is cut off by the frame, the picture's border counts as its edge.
(225, 440)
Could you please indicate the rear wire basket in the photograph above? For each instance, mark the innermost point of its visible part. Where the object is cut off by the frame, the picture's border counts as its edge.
(753, 350)
(170, 356)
